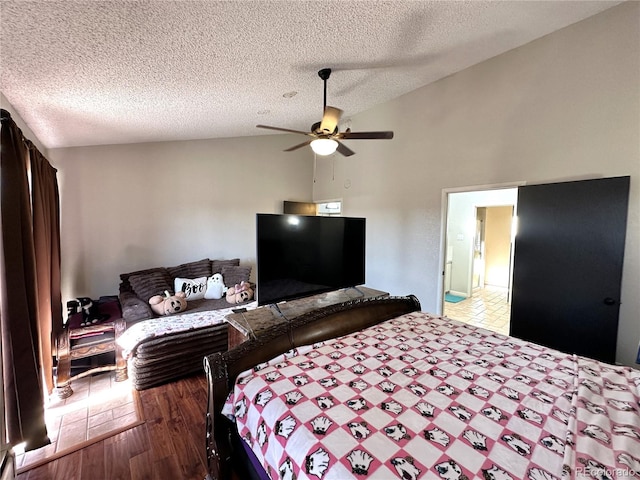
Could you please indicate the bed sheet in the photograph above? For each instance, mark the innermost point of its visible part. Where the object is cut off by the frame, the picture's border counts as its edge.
(421, 396)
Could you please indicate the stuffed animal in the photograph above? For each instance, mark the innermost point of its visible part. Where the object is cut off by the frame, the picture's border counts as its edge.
(215, 287)
(90, 311)
(168, 304)
(77, 305)
(239, 293)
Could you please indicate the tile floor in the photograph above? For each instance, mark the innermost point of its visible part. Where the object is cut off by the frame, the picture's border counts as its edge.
(487, 307)
(98, 405)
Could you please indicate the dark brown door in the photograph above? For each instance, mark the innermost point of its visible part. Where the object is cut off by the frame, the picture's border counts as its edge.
(569, 250)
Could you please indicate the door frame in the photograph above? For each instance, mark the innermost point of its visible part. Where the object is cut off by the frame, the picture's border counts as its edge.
(444, 217)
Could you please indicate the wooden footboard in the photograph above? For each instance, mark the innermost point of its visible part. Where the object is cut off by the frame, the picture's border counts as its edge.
(322, 324)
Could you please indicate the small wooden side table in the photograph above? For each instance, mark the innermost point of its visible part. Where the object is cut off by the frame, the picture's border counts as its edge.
(76, 342)
(243, 326)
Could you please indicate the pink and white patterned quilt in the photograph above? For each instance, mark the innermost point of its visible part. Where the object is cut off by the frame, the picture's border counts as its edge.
(421, 396)
(166, 325)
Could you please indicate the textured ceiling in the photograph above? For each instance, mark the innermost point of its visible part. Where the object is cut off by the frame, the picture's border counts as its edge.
(108, 72)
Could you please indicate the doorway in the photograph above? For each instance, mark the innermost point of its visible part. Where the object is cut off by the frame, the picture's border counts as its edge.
(478, 257)
(493, 247)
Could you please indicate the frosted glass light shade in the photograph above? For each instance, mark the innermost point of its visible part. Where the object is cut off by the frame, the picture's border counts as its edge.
(324, 146)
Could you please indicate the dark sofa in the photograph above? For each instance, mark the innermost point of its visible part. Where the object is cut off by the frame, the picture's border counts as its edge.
(137, 287)
(160, 359)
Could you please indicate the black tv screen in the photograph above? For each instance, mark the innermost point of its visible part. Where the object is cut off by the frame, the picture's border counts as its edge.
(299, 256)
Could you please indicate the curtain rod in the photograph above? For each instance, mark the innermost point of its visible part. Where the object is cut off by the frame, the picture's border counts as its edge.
(6, 115)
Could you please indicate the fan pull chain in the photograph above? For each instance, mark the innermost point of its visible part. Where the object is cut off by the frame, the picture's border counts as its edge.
(315, 164)
(333, 168)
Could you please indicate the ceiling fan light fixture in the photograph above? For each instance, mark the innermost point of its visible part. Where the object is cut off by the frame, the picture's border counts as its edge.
(324, 146)
(325, 133)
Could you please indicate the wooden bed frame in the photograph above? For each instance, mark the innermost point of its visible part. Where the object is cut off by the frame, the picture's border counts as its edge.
(222, 369)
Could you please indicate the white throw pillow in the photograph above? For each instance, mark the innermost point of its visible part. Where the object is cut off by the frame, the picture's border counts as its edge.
(215, 287)
(193, 289)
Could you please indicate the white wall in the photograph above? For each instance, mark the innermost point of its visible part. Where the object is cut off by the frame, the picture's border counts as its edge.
(564, 107)
(137, 206)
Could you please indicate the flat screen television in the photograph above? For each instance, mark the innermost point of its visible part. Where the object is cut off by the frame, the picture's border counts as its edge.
(299, 256)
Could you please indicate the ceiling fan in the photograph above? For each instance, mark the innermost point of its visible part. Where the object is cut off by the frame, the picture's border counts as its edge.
(325, 134)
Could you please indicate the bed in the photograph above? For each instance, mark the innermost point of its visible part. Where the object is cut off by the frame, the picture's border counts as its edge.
(379, 389)
(163, 349)
(157, 350)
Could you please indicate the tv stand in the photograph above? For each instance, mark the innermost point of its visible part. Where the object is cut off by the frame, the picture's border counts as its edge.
(277, 309)
(247, 325)
(357, 289)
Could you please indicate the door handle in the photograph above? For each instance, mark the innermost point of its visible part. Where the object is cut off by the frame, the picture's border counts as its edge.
(609, 301)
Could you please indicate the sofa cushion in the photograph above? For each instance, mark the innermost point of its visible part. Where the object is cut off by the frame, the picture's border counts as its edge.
(133, 308)
(201, 268)
(194, 289)
(233, 275)
(217, 265)
(146, 285)
(125, 284)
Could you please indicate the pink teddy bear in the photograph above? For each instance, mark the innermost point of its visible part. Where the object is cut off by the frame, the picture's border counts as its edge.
(239, 293)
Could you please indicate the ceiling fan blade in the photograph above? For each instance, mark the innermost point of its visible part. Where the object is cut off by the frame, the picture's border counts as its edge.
(366, 135)
(279, 129)
(300, 145)
(330, 119)
(344, 150)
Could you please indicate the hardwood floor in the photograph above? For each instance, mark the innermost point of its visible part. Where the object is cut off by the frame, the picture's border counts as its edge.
(169, 445)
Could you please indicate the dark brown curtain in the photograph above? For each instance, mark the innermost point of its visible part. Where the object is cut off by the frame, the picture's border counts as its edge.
(23, 378)
(45, 206)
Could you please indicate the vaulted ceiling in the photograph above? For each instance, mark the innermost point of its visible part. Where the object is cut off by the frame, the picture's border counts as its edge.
(110, 72)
